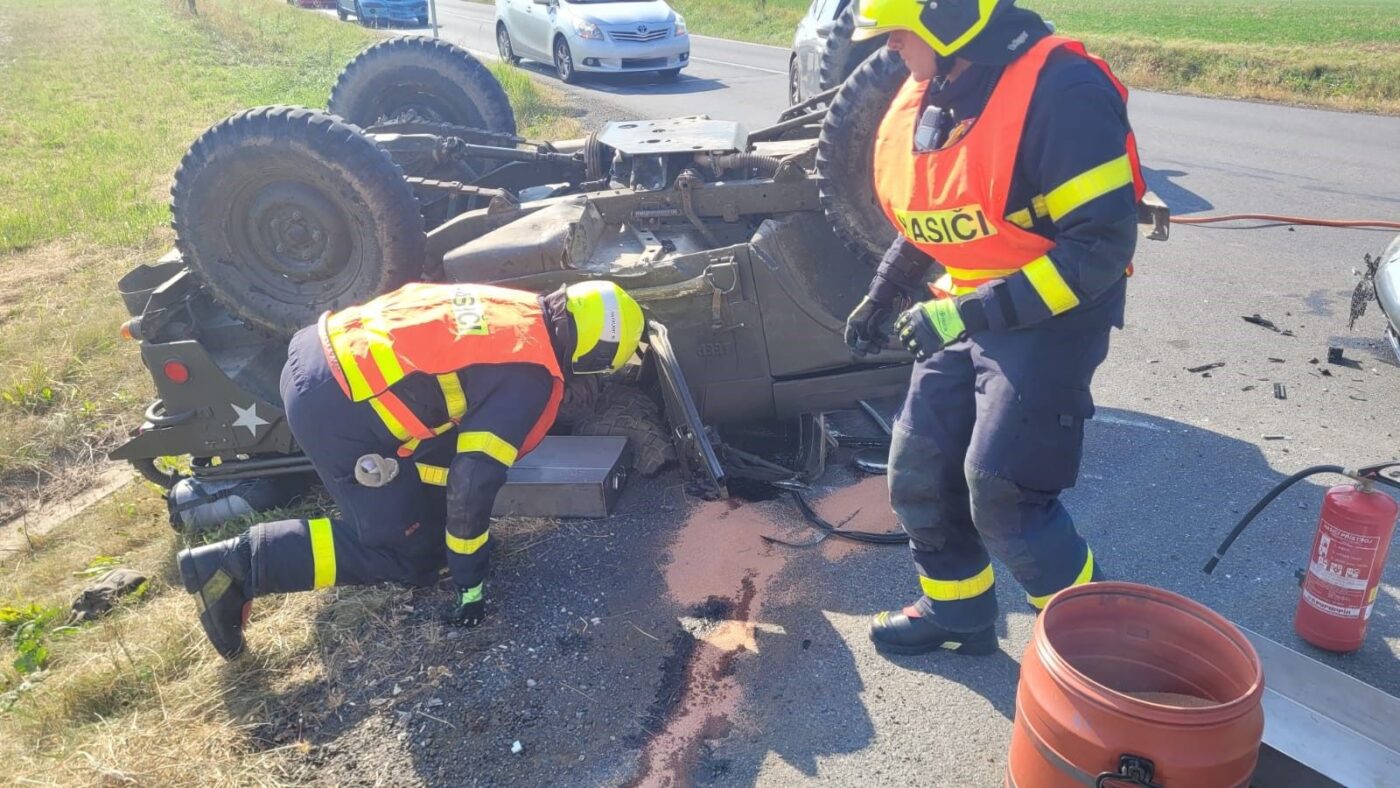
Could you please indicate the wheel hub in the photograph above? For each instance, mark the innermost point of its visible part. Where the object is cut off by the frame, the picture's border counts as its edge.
(296, 232)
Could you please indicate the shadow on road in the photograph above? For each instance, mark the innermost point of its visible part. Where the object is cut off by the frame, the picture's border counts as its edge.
(1155, 498)
(1180, 200)
(669, 644)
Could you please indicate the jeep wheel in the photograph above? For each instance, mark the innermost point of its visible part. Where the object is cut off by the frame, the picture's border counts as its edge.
(417, 78)
(844, 152)
(286, 212)
(627, 412)
(841, 56)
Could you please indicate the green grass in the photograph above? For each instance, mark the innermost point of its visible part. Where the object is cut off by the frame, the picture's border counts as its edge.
(1337, 53)
(98, 102)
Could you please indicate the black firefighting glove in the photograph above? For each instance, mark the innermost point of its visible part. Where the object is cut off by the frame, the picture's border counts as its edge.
(929, 326)
(865, 328)
(468, 608)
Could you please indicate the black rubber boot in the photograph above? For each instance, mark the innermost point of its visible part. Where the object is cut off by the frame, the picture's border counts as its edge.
(897, 632)
(217, 575)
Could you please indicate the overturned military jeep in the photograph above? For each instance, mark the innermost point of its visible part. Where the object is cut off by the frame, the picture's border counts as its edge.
(747, 248)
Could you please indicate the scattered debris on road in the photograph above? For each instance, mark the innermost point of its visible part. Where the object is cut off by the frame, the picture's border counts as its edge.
(517, 748)
(1206, 367)
(1280, 391)
(1337, 356)
(1264, 322)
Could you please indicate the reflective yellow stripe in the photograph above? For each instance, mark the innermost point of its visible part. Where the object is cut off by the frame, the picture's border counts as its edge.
(487, 443)
(954, 590)
(359, 387)
(395, 426)
(387, 361)
(322, 552)
(1038, 205)
(1085, 575)
(1088, 186)
(432, 474)
(979, 273)
(1021, 218)
(467, 546)
(1050, 285)
(453, 395)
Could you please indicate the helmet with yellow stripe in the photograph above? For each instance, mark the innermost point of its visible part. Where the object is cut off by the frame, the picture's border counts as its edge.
(946, 25)
(608, 325)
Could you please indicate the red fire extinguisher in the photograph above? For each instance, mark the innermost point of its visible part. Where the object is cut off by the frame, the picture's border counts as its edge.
(1347, 558)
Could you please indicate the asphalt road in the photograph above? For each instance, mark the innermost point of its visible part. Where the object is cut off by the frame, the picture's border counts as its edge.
(797, 695)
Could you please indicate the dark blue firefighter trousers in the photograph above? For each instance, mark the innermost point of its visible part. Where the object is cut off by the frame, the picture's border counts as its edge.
(990, 433)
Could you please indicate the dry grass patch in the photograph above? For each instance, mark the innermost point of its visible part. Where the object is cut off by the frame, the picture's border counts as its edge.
(139, 697)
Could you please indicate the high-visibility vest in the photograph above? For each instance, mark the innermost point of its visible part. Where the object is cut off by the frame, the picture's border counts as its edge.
(438, 330)
(952, 202)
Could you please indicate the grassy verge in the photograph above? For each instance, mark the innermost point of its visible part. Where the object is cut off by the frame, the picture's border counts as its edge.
(138, 698)
(1334, 53)
(98, 101)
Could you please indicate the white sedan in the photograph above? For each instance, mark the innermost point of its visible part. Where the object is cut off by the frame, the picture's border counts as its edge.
(598, 36)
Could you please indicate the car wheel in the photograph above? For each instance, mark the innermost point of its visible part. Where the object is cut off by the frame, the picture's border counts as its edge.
(503, 45)
(340, 12)
(564, 62)
(794, 83)
(669, 74)
(360, 14)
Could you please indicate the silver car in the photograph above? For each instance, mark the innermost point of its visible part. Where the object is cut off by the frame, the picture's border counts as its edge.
(594, 36)
(824, 33)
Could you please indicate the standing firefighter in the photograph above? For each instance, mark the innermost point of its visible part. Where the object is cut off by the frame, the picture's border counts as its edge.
(411, 408)
(1007, 158)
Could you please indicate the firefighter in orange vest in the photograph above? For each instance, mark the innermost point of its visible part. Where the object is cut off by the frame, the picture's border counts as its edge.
(1006, 159)
(411, 408)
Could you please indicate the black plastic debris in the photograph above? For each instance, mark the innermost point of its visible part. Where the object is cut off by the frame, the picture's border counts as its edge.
(1264, 322)
(1280, 391)
(1338, 356)
(1206, 367)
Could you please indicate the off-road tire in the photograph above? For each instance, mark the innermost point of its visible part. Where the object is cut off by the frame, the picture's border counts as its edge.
(414, 76)
(841, 56)
(286, 212)
(845, 150)
(626, 412)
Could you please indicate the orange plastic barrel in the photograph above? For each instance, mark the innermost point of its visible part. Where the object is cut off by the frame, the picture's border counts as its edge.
(1121, 677)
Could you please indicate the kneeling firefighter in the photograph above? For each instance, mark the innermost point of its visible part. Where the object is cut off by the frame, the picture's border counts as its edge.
(1007, 159)
(484, 366)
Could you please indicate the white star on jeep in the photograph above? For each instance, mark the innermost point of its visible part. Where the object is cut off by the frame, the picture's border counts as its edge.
(248, 417)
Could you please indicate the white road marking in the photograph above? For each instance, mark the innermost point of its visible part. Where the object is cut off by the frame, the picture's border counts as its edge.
(694, 59)
(741, 43)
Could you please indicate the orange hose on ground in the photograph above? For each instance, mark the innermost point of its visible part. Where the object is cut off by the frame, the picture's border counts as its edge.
(1378, 224)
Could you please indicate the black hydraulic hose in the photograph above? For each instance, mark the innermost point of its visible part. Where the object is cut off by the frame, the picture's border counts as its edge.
(867, 537)
(1263, 502)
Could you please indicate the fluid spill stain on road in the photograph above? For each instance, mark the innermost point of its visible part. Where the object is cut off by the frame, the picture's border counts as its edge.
(720, 572)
